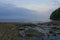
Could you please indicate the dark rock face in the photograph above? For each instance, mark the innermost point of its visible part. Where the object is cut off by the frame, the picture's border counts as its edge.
(55, 15)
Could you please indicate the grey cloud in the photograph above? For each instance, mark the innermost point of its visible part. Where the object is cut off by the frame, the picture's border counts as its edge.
(11, 12)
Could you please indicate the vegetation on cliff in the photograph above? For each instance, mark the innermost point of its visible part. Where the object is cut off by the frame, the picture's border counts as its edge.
(55, 15)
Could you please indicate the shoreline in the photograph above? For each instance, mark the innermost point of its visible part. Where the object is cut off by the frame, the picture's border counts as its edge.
(9, 30)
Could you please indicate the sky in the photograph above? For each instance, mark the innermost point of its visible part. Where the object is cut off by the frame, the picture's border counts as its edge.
(27, 9)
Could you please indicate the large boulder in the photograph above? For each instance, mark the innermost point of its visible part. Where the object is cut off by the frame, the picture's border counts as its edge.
(33, 33)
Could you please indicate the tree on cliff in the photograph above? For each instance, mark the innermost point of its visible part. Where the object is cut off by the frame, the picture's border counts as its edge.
(55, 15)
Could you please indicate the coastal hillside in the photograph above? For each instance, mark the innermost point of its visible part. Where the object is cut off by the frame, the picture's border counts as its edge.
(55, 14)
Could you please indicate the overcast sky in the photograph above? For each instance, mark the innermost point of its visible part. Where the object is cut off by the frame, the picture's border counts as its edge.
(25, 9)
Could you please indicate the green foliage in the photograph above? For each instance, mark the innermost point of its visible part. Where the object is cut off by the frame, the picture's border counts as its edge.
(55, 14)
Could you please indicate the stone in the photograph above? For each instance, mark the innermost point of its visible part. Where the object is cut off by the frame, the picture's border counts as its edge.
(31, 33)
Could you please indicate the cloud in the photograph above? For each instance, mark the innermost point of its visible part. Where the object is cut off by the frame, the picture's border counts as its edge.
(39, 8)
(11, 12)
(56, 2)
(36, 5)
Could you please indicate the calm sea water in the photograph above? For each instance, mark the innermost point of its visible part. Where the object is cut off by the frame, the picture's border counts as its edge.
(25, 20)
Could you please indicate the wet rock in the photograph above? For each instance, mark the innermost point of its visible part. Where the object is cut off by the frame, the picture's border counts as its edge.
(21, 28)
(27, 31)
(58, 27)
(58, 33)
(48, 24)
(22, 34)
(55, 28)
(24, 28)
(29, 24)
(31, 33)
(40, 32)
(51, 32)
(54, 34)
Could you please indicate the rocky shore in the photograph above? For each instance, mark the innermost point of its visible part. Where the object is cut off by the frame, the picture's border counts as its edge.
(30, 31)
